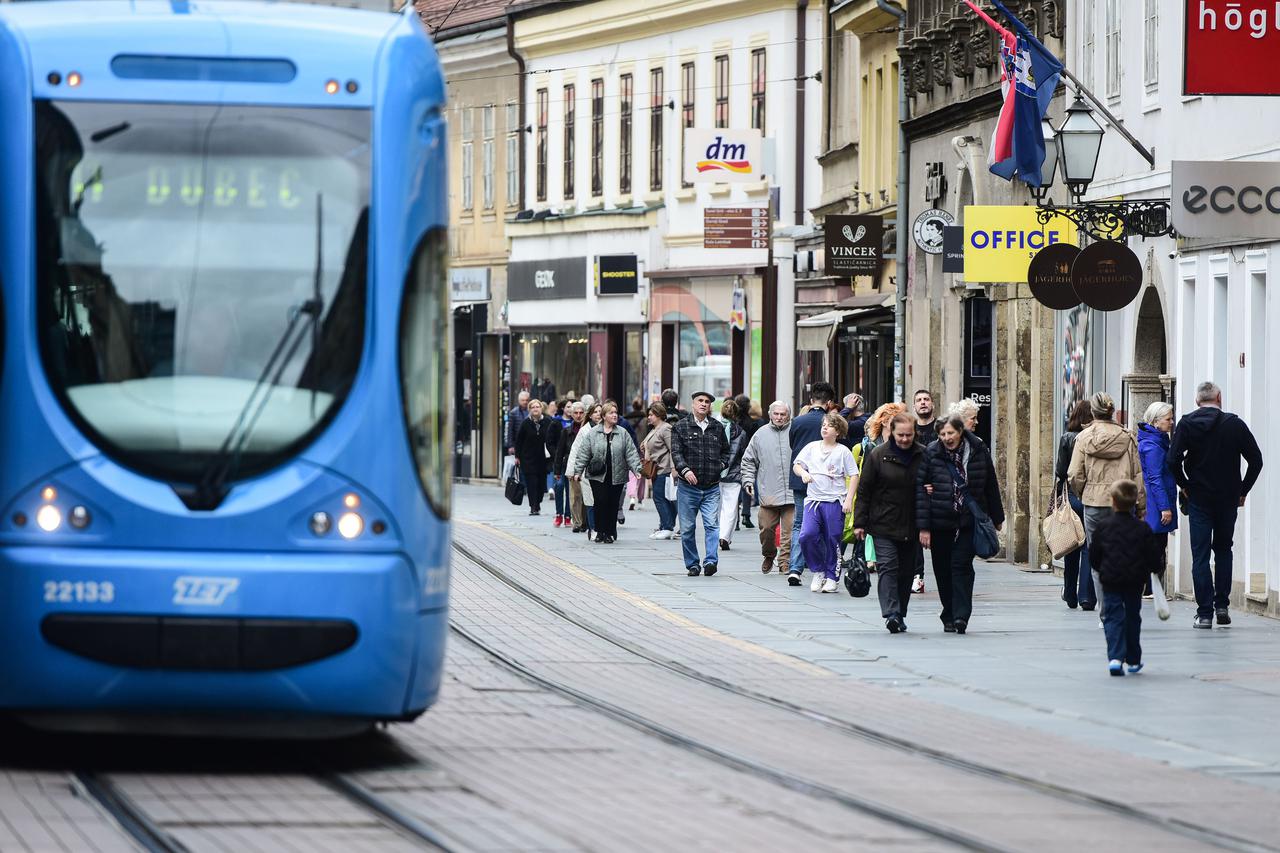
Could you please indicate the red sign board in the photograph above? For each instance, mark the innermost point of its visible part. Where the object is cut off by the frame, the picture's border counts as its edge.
(1231, 48)
(736, 228)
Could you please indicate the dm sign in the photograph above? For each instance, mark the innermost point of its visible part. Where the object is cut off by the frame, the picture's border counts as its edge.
(723, 156)
(853, 245)
(999, 241)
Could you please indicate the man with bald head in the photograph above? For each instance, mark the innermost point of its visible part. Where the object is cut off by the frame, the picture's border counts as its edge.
(766, 472)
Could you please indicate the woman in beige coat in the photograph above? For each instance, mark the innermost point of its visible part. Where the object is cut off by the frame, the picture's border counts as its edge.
(1104, 453)
(657, 449)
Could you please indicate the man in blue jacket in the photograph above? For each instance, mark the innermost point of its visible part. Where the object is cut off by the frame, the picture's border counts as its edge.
(804, 429)
(1204, 456)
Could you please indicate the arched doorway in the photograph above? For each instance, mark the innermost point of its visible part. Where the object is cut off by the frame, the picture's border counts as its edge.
(1149, 382)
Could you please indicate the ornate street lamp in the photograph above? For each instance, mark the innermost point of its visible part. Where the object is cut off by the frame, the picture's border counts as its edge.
(1079, 141)
(1050, 165)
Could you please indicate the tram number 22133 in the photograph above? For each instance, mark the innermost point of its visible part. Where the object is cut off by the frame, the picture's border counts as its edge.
(80, 591)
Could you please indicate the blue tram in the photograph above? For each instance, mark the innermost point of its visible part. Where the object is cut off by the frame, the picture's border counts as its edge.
(225, 435)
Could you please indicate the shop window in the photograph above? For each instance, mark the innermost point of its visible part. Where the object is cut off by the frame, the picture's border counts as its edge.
(550, 365)
(656, 93)
(625, 85)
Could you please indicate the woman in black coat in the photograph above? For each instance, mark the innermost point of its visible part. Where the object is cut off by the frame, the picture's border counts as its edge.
(1077, 574)
(956, 466)
(535, 441)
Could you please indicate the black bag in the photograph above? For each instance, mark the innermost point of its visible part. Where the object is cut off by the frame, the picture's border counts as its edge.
(856, 578)
(986, 541)
(515, 489)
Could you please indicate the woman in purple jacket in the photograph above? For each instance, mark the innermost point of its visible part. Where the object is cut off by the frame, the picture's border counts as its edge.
(1162, 491)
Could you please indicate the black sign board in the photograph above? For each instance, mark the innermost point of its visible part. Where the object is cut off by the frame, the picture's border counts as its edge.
(554, 278)
(953, 248)
(1107, 275)
(617, 275)
(1049, 276)
(853, 245)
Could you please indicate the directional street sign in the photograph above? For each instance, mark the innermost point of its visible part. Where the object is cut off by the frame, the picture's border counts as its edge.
(736, 228)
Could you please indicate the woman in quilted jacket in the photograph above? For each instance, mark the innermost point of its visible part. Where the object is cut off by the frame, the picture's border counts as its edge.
(1162, 491)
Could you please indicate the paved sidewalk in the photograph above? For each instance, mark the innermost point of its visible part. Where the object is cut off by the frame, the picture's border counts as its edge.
(1205, 701)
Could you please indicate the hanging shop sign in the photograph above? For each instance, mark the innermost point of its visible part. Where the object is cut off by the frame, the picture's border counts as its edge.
(553, 278)
(736, 228)
(468, 284)
(929, 229)
(1237, 199)
(1000, 240)
(617, 275)
(853, 245)
(1106, 275)
(1231, 46)
(1049, 276)
(953, 248)
(723, 156)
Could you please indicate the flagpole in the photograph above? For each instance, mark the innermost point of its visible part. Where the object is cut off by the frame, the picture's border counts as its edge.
(1082, 89)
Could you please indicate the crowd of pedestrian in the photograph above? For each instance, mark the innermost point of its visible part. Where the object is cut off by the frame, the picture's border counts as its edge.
(894, 484)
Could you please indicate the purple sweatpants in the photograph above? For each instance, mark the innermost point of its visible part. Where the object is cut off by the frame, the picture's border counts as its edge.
(820, 536)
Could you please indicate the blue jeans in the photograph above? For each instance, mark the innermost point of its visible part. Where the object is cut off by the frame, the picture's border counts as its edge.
(1122, 623)
(694, 501)
(562, 496)
(666, 508)
(798, 562)
(1211, 528)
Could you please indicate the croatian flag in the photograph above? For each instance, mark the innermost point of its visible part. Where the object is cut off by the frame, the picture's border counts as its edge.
(1028, 76)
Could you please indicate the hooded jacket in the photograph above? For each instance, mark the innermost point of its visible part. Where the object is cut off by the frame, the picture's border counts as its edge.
(765, 463)
(1104, 453)
(886, 498)
(1205, 455)
(1162, 491)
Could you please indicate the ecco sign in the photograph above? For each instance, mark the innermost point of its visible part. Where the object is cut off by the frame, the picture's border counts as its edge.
(999, 241)
(1231, 47)
(1236, 200)
(722, 156)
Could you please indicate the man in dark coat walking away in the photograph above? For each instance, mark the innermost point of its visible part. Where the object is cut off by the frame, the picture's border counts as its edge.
(535, 443)
(886, 508)
(1204, 456)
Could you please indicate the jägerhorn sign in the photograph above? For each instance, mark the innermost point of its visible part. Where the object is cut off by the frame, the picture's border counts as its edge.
(1233, 200)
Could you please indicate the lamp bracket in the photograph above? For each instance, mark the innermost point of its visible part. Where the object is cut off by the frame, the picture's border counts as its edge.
(1114, 220)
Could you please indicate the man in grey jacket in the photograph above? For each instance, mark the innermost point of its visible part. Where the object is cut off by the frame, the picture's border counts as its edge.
(766, 465)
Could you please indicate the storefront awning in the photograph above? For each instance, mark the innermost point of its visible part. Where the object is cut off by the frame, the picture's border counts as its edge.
(815, 333)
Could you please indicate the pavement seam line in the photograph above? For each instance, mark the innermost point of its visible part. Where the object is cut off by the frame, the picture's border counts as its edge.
(652, 607)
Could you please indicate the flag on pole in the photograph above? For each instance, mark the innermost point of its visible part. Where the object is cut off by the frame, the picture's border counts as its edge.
(1029, 76)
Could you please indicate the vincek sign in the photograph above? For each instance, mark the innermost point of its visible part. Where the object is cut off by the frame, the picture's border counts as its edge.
(1231, 47)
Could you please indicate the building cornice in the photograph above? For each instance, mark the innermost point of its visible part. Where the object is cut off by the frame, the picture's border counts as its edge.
(861, 17)
(955, 115)
(582, 223)
(483, 51)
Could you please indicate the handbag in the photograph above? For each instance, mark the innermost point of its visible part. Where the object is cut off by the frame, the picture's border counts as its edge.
(1158, 599)
(857, 580)
(649, 469)
(986, 540)
(672, 489)
(1062, 529)
(514, 489)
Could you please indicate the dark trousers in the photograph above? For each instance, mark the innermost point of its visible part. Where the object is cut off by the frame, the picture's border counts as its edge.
(952, 552)
(895, 572)
(1122, 623)
(1077, 573)
(1163, 544)
(919, 560)
(535, 485)
(608, 498)
(1211, 529)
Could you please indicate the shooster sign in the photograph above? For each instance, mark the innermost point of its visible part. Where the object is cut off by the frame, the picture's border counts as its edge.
(1231, 47)
(999, 241)
(723, 156)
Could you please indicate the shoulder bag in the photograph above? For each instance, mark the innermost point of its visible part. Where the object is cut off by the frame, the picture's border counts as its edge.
(986, 540)
(649, 469)
(1061, 529)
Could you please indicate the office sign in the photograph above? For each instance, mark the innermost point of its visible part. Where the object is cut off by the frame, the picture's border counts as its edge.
(1049, 276)
(1106, 275)
(736, 228)
(723, 156)
(1231, 47)
(853, 245)
(468, 284)
(999, 241)
(617, 275)
(953, 248)
(554, 278)
(929, 228)
(1237, 199)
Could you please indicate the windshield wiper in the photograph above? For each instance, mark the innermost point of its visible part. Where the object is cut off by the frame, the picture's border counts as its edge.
(212, 486)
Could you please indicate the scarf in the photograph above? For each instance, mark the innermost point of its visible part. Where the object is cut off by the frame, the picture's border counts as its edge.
(959, 477)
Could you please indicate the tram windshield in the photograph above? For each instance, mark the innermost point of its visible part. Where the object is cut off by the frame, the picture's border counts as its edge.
(201, 275)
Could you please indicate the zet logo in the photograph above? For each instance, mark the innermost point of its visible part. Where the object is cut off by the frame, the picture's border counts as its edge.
(209, 592)
(725, 157)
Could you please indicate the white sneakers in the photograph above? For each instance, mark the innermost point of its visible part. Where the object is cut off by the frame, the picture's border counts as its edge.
(830, 585)
(917, 585)
(815, 585)
(661, 534)
(631, 503)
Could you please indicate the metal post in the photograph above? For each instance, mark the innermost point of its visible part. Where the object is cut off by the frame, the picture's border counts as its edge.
(900, 300)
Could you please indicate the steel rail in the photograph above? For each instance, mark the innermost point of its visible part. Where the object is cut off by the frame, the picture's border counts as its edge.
(126, 813)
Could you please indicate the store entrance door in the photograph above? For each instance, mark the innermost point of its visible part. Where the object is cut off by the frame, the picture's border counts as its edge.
(979, 344)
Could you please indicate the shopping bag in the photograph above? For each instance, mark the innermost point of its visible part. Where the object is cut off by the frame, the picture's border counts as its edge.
(847, 537)
(514, 489)
(632, 482)
(856, 578)
(1158, 599)
(508, 465)
(1061, 529)
(672, 490)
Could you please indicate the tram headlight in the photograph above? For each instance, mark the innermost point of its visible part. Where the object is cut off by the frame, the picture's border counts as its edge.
(49, 518)
(331, 87)
(350, 525)
(74, 79)
(321, 523)
(79, 517)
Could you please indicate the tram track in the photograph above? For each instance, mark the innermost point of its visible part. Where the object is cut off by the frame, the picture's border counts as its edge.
(1173, 825)
(152, 836)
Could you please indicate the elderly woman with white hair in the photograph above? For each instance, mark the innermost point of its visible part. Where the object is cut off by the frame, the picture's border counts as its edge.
(1157, 476)
(967, 410)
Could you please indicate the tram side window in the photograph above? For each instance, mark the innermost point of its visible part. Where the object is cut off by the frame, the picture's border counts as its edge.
(424, 368)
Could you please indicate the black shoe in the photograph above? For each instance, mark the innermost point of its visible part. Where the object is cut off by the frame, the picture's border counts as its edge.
(1224, 618)
(710, 569)
(793, 579)
(894, 624)
(535, 512)
(724, 544)
(1203, 622)
(1071, 602)
(577, 530)
(948, 627)
(1087, 606)
(959, 625)
(622, 521)
(695, 571)
(746, 522)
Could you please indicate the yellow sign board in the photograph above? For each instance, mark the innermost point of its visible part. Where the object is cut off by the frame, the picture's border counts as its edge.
(1001, 240)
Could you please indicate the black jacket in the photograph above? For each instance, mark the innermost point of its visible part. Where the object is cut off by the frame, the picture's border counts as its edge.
(560, 456)
(1205, 455)
(886, 504)
(738, 439)
(1123, 551)
(936, 511)
(1065, 445)
(704, 452)
(534, 440)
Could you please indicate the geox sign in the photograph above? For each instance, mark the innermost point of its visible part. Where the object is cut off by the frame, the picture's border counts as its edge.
(723, 156)
(853, 245)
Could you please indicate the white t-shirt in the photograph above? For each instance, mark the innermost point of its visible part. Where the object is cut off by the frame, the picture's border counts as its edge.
(829, 468)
